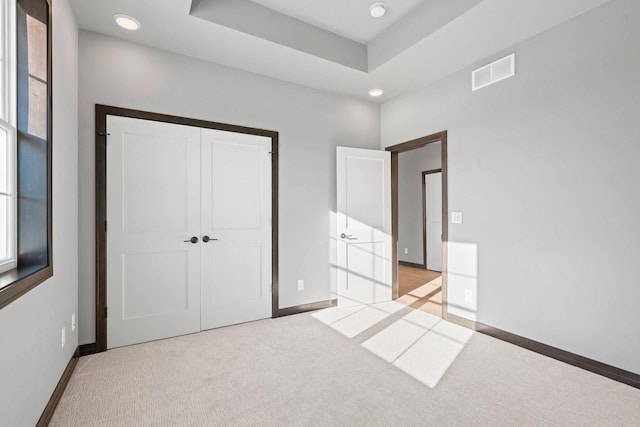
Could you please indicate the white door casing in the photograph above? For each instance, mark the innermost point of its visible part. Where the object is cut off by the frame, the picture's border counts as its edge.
(153, 206)
(433, 226)
(236, 211)
(363, 226)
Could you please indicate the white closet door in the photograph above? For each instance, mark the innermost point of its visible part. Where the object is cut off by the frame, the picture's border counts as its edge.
(153, 206)
(433, 197)
(364, 226)
(236, 216)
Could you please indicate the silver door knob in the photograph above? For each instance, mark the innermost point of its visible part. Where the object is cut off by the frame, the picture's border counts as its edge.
(348, 237)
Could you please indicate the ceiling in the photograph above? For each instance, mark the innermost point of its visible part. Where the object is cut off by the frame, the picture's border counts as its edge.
(350, 19)
(334, 45)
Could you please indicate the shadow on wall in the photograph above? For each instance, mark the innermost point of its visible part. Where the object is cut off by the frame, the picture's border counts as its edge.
(462, 279)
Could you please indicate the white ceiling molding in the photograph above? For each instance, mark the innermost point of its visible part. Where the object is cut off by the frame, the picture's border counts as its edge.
(348, 18)
(393, 36)
(423, 21)
(268, 24)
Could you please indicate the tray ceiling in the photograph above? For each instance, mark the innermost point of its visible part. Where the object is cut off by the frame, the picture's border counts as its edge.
(309, 43)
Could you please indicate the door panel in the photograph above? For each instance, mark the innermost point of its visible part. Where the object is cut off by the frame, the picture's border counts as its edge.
(236, 210)
(365, 192)
(433, 197)
(238, 271)
(367, 272)
(364, 226)
(153, 205)
(144, 273)
(236, 184)
(154, 162)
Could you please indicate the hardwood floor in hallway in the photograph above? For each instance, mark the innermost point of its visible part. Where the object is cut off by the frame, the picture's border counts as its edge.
(420, 289)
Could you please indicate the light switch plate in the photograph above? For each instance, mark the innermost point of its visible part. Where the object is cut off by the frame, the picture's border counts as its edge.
(301, 285)
(456, 217)
(468, 296)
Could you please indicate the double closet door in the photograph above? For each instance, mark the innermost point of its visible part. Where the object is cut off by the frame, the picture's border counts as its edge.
(188, 229)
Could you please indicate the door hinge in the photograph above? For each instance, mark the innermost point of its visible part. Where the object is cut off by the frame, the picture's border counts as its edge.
(105, 312)
(105, 226)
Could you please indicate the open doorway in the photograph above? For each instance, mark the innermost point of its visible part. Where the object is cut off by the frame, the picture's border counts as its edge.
(419, 225)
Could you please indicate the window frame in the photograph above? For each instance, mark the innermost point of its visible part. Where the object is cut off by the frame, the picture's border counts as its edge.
(7, 16)
(8, 124)
(11, 261)
(28, 274)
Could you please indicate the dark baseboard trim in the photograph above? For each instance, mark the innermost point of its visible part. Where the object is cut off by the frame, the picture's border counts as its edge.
(47, 414)
(87, 349)
(92, 348)
(306, 307)
(412, 264)
(611, 372)
(469, 324)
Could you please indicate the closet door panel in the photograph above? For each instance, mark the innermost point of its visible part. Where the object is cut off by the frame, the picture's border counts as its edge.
(153, 206)
(236, 186)
(236, 216)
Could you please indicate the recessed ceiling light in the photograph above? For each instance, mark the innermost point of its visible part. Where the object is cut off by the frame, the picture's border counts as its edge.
(378, 9)
(376, 92)
(127, 22)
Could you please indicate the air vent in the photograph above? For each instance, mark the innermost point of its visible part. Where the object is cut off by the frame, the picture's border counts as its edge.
(494, 72)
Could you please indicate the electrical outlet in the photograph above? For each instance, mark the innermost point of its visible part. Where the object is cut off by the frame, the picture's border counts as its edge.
(468, 296)
(406, 251)
(456, 217)
(300, 285)
(64, 336)
(73, 322)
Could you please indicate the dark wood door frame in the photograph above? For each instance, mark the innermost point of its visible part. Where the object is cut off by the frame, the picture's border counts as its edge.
(395, 151)
(424, 213)
(102, 111)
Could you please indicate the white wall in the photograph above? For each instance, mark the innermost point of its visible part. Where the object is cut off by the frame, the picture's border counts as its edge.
(411, 164)
(31, 357)
(545, 168)
(311, 125)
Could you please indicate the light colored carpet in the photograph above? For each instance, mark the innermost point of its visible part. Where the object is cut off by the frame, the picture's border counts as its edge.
(331, 368)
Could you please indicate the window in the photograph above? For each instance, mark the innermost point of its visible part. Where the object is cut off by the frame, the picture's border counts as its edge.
(25, 146)
(8, 154)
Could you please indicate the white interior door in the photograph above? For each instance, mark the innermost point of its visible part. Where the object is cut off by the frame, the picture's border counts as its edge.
(236, 216)
(153, 206)
(433, 198)
(364, 226)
